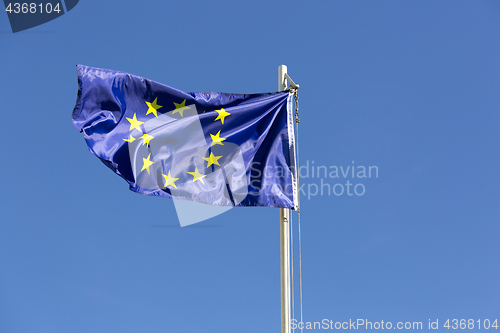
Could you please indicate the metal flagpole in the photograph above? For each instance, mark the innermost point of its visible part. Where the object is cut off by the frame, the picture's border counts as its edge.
(284, 242)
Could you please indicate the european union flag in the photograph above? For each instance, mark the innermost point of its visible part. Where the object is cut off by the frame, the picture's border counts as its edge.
(214, 148)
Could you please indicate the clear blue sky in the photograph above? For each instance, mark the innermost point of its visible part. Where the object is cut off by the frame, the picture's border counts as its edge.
(411, 87)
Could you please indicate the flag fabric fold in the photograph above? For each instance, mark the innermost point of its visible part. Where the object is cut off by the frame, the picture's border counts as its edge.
(214, 148)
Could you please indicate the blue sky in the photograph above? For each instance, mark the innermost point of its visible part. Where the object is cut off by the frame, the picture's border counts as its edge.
(409, 87)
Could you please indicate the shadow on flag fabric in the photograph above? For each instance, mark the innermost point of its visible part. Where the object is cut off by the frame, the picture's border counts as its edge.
(212, 148)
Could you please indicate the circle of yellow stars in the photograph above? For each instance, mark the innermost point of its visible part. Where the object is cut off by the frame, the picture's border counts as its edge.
(179, 108)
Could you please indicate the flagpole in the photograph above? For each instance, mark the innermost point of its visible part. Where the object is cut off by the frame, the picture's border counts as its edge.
(284, 242)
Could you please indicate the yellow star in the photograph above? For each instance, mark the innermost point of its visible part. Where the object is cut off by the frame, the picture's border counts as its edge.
(216, 140)
(147, 163)
(130, 139)
(147, 138)
(212, 159)
(197, 176)
(169, 180)
(180, 107)
(134, 123)
(153, 107)
(222, 114)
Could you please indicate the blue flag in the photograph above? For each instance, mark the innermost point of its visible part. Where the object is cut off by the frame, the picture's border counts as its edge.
(214, 148)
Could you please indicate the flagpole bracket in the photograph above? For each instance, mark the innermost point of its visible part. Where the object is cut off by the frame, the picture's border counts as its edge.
(291, 85)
